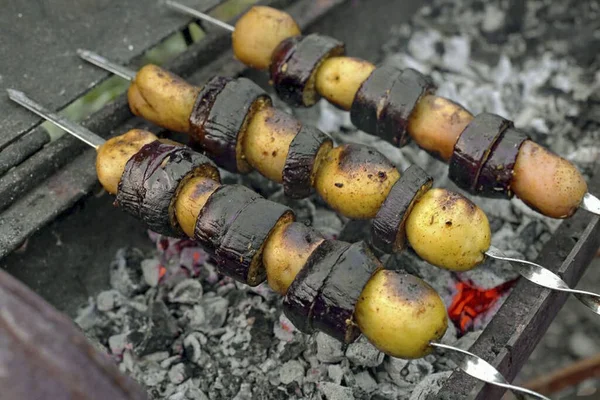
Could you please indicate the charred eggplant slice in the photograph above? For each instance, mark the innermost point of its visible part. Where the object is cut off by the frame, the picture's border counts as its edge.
(371, 98)
(301, 159)
(302, 293)
(204, 103)
(219, 212)
(497, 172)
(151, 179)
(388, 228)
(333, 309)
(404, 95)
(295, 63)
(473, 148)
(222, 133)
(240, 253)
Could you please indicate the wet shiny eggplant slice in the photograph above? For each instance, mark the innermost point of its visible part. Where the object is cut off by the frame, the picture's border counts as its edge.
(371, 98)
(404, 95)
(333, 309)
(302, 154)
(240, 253)
(294, 65)
(497, 172)
(204, 103)
(299, 299)
(150, 182)
(220, 210)
(388, 228)
(227, 121)
(473, 148)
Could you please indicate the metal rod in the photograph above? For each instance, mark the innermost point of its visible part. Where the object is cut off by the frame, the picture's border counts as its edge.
(546, 278)
(478, 368)
(81, 133)
(197, 14)
(106, 64)
(590, 203)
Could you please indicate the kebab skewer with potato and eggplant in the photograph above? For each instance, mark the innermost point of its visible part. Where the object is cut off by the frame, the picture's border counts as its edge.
(331, 286)
(487, 155)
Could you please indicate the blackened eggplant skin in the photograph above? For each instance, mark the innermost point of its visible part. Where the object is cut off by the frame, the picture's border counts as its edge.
(298, 168)
(204, 103)
(404, 95)
(219, 212)
(371, 98)
(497, 172)
(227, 121)
(333, 309)
(388, 227)
(473, 148)
(295, 63)
(239, 255)
(302, 293)
(150, 182)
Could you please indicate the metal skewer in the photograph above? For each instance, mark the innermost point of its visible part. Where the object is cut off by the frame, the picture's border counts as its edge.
(590, 203)
(106, 64)
(471, 364)
(197, 14)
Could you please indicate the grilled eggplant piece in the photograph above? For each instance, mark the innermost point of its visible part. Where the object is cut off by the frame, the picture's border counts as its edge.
(388, 232)
(204, 103)
(220, 210)
(301, 295)
(304, 155)
(223, 131)
(497, 172)
(151, 179)
(240, 252)
(371, 98)
(295, 64)
(333, 308)
(402, 99)
(473, 148)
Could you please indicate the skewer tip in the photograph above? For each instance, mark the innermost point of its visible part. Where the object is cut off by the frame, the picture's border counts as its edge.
(15, 95)
(590, 203)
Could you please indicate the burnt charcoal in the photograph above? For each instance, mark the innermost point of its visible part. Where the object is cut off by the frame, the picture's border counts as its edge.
(473, 147)
(215, 308)
(404, 95)
(497, 172)
(227, 120)
(371, 97)
(158, 335)
(294, 65)
(292, 350)
(149, 183)
(261, 330)
(333, 308)
(204, 103)
(302, 154)
(220, 210)
(300, 297)
(388, 228)
(126, 274)
(239, 255)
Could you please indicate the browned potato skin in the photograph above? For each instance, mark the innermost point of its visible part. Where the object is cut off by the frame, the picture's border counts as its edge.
(190, 199)
(436, 123)
(339, 78)
(162, 98)
(285, 253)
(400, 314)
(258, 32)
(546, 182)
(352, 186)
(267, 141)
(114, 154)
(448, 230)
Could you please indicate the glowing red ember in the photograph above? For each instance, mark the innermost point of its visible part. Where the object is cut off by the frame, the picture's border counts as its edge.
(472, 301)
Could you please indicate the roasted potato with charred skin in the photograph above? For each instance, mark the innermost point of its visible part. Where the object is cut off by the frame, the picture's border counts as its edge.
(547, 182)
(162, 98)
(258, 32)
(400, 314)
(114, 154)
(190, 199)
(355, 180)
(339, 78)
(448, 230)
